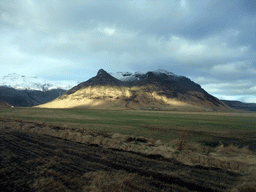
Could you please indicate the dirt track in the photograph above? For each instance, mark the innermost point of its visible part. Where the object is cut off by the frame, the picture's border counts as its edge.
(33, 162)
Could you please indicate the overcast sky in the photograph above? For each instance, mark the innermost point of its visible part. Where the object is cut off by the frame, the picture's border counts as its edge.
(212, 42)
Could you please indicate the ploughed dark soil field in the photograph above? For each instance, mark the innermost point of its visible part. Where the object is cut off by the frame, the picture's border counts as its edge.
(34, 162)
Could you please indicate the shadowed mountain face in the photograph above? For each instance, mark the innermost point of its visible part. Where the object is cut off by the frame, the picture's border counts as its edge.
(102, 78)
(240, 105)
(163, 81)
(155, 89)
(28, 98)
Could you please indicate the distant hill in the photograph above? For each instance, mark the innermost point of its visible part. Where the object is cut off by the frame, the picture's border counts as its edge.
(152, 90)
(22, 82)
(240, 105)
(27, 91)
(28, 98)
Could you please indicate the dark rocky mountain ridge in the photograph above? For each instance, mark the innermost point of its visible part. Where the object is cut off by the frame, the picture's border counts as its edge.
(102, 78)
(27, 98)
(180, 84)
(240, 105)
(172, 87)
(164, 84)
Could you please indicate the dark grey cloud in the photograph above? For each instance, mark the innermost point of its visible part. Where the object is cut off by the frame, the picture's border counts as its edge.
(210, 41)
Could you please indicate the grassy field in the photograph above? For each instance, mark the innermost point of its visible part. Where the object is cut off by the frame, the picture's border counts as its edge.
(208, 139)
(238, 128)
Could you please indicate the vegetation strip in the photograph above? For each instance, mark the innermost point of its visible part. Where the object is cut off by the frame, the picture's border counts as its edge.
(32, 143)
(128, 162)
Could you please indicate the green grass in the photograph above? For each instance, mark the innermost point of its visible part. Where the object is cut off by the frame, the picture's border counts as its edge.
(157, 125)
(134, 118)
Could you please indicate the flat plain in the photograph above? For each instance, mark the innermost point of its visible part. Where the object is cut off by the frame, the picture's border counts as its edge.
(164, 125)
(214, 144)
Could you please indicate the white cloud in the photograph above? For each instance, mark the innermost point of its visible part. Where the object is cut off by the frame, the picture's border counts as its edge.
(13, 59)
(185, 50)
(211, 41)
(232, 98)
(7, 18)
(252, 90)
(11, 55)
(226, 68)
(235, 88)
(251, 99)
(242, 98)
(183, 3)
(109, 31)
(239, 67)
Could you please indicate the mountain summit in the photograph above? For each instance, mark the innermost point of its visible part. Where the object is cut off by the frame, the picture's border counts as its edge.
(102, 78)
(102, 72)
(155, 89)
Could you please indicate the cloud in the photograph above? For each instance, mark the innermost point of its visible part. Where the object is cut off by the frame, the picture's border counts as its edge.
(209, 41)
(235, 67)
(243, 98)
(238, 88)
(250, 99)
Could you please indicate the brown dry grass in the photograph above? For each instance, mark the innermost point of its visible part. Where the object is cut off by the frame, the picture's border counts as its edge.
(245, 187)
(50, 180)
(120, 181)
(181, 141)
(229, 157)
(98, 181)
(225, 157)
(4, 105)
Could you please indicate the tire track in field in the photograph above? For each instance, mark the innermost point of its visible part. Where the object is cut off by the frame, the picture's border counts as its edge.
(31, 154)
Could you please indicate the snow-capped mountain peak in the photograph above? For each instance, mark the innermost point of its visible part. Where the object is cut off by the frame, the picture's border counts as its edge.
(128, 76)
(125, 76)
(162, 71)
(34, 83)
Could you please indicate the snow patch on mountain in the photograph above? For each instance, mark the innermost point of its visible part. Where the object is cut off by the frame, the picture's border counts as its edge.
(161, 71)
(22, 82)
(130, 77)
(127, 76)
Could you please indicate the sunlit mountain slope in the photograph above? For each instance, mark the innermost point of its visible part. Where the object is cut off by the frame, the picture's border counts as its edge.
(153, 90)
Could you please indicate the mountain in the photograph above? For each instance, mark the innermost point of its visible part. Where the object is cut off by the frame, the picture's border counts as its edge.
(240, 105)
(28, 98)
(27, 91)
(155, 90)
(22, 82)
(102, 78)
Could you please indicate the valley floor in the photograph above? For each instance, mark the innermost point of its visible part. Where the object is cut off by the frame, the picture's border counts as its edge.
(35, 162)
(31, 161)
